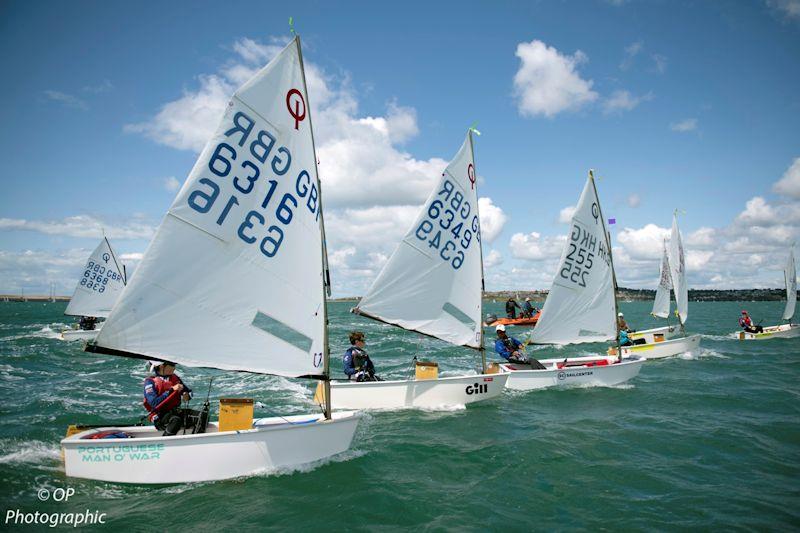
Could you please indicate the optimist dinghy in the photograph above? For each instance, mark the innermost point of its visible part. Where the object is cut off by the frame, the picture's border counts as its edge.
(782, 330)
(97, 291)
(236, 278)
(432, 284)
(581, 307)
(666, 342)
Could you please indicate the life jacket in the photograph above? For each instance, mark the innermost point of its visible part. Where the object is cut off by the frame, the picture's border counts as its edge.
(509, 344)
(163, 384)
(745, 322)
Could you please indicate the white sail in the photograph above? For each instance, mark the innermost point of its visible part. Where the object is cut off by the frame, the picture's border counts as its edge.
(233, 278)
(661, 303)
(580, 306)
(677, 266)
(432, 282)
(100, 285)
(790, 276)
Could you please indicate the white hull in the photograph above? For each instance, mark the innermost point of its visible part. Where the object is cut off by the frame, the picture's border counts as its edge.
(669, 332)
(659, 350)
(770, 332)
(427, 393)
(80, 334)
(611, 373)
(273, 443)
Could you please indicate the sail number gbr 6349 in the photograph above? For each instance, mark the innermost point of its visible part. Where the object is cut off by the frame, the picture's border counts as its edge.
(450, 225)
(248, 155)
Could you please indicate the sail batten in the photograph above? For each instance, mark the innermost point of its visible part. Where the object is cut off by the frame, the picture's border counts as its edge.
(580, 306)
(790, 278)
(661, 304)
(431, 284)
(101, 284)
(234, 277)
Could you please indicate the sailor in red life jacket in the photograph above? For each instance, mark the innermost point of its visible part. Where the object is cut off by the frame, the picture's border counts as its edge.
(746, 323)
(163, 392)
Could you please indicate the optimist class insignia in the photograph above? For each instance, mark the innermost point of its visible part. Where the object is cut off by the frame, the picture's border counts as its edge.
(296, 106)
(471, 175)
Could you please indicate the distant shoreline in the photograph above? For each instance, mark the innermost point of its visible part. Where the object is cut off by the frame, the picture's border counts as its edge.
(640, 295)
(623, 294)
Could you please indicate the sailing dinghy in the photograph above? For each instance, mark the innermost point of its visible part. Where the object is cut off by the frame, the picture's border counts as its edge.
(236, 278)
(782, 330)
(432, 284)
(581, 307)
(665, 342)
(98, 289)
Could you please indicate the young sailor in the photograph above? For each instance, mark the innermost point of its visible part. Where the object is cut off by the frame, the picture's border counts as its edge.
(621, 324)
(163, 392)
(509, 348)
(746, 323)
(357, 364)
(87, 323)
(624, 340)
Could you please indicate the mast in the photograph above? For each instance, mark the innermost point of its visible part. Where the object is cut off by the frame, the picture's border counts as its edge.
(326, 276)
(611, 261)
(482, 348)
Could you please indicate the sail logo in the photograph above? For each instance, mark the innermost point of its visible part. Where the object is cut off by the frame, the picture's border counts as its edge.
(477, 388)
(564, 375)
(471, 175)
(295, 111)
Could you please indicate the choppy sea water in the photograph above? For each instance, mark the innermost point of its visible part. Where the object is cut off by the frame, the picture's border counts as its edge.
(707, 440)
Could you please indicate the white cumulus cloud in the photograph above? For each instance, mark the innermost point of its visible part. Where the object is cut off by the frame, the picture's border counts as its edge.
(493, 219)
(82, 226)
(534, 246)
(789, 184)
(548, 81)
(565, 215)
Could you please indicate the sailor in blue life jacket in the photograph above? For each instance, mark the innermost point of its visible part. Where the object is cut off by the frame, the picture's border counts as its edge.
(509, 348)
(163, 392)
(357, 364)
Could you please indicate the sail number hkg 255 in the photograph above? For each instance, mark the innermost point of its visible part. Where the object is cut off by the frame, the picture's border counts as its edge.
(583, 250)
(242, 159)
(448, 227)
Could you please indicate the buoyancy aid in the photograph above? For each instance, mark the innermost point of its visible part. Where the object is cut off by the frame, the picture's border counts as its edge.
(163, 384)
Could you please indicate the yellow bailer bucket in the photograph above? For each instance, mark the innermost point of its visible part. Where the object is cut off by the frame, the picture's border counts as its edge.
(235, 414)
(427, 370)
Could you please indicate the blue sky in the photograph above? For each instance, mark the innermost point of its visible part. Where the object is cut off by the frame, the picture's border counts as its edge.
(690, 105)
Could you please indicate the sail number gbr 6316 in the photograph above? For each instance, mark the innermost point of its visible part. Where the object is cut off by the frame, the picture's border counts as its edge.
(237, 168)
(450, 225)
